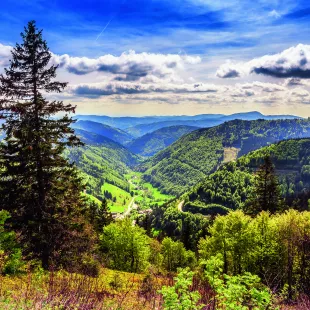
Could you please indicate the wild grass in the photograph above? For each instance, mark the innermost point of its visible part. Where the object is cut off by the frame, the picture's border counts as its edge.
(62, 290)
(113, 290)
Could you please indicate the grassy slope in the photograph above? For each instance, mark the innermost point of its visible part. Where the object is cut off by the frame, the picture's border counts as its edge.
(61, 290)
(146, 195)
(106, 166)
(196, 155)
(123, 198)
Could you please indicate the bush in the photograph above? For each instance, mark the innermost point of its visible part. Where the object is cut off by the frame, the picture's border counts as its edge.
(179, 296)
(10, 253)
(175, 255)
(238, 292)
(125, 247)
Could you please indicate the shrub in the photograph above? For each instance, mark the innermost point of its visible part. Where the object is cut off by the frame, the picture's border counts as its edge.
(10, 253)
(125, 247)
(179, 296)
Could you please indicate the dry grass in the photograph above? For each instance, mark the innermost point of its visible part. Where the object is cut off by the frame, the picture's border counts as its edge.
(112, 290)
(61, 290)
(230, 154)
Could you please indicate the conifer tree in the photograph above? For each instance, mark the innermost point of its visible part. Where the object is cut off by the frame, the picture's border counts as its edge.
(100, 216)
(266, 194)
(38, 186)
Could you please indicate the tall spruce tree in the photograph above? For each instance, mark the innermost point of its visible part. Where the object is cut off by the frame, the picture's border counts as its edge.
(266, 194)
(100, 215)
(38, 186)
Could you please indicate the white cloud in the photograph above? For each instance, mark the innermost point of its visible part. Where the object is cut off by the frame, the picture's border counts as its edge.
(129, 66)
(95, 90)
(5, 54)
(293, 62)
(274, 14)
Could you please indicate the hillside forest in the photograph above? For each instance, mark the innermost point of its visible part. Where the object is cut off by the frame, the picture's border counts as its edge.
(210, 211)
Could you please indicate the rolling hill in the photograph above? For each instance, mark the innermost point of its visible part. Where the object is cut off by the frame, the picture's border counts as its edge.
(152, 143)
(101, 160)
(231, 184)
(194, 156)
(114, 134)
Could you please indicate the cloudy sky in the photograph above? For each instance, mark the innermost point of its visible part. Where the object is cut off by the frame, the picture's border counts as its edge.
(145, 57)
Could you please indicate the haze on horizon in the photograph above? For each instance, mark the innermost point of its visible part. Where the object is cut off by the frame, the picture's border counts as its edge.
(177, 57)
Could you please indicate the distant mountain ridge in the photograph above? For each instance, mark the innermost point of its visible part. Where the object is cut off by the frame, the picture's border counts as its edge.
(202, 120)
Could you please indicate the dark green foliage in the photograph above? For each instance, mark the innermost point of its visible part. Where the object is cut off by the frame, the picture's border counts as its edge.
(182, 164)
(39, 188)
(100, 215)
(266, 192)
(153, 142)
(233, 183)
(196, 155)
(109, 132)
(185, 227)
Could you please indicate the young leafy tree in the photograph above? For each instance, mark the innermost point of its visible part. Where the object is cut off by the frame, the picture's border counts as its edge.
(125, 247)
(39, 188)
(180, 296)
(266, 193)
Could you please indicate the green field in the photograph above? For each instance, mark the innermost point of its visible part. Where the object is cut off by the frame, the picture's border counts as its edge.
(91, 198)
(146, 194)
(122, 197)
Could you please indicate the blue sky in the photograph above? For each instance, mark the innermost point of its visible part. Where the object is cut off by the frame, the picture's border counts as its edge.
(215, 31)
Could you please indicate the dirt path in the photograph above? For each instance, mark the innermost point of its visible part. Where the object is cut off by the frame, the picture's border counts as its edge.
(180, 206)
(129, 207)
(230, 154)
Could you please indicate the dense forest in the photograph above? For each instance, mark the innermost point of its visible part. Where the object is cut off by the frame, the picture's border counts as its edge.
(152, 143)
(237, 238)
(231, 185)
(194, 156)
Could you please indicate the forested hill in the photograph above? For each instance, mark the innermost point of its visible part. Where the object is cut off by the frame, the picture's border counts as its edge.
(231, 184)
(156, 141)
(196, 155)
(112, 133)
(101, 160)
